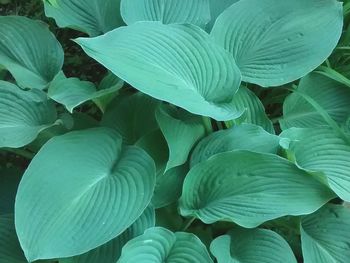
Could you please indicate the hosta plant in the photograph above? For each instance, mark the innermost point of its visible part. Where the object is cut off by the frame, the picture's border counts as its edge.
(194, 131)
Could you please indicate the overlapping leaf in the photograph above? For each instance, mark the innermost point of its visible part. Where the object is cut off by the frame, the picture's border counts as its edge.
(195, 12)
(75, 190)
(242, 137)
(325, 235)
(252, 246)
(323, 150)
(158, 245)
(23, 114)
(179, 64)
(181, 130)
(110, 252)
(29, 51)
(249, 189)
(331, 96)
(216, 8)
(89, 16)
(274, 42)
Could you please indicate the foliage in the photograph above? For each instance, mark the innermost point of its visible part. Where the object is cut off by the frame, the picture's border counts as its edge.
(174, 131)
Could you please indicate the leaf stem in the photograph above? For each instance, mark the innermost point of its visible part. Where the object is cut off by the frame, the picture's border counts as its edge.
(188, 222)
(21, 152)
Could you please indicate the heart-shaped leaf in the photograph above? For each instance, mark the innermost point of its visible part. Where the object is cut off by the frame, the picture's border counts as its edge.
(89, 16)
(23, 114)
(249, 189)
(180, 64)
(195, 12)
(274, 42)
(158, 245)
(111, 251)
(75, 190)
(181, 130)
(29, 51)
(324, 151)
(331, 96)
(242, 137)
(252, 246)
(325, 235)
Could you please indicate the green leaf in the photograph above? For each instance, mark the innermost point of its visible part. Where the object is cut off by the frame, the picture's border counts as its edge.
(252, 246)
(242, 137)
(9, 180)
(23, 114)
(75, 190)
(331, 96)
(181, 130)
(111, 251)
(325, 235)
(29, 51)
(254, 112)
(89, 16)
(195, 12)
(133, 116)
(158, 245)
(10, 250)
(179, 64)
(216, 8)
(275, 42)
(249, 189)
(324, 151)
(332, 74)
(72, 92)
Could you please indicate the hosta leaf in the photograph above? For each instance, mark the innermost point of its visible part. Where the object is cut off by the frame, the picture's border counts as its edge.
(322, 150)
(72, 92)
(242, 137)
(181, 130)
(9, 180)
(29, 51)
(89, 16)
(158, 245)
(133, 116)
(167, 11)
(254, 112)
(325, 235)
(274, 41)
(110, 252)
(332, 96)
(216, 8)
(23, 114)
(179, 64)
(10, 250)
(249, 189)
(75, 190)
(252, 246)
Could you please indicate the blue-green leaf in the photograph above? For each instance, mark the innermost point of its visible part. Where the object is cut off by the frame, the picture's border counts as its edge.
(180, 64)
(77, 193)
(275, 42)
(29, 51)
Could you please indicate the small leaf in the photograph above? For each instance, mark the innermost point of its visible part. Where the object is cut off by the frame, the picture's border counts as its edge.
(242, 137)
(75, 190)
(252, 246)
(195, 12)
(29, 51)
(23, 114)
(10, 250)
(72, 92)
(92, 17)
(133, 116)
(322, 150)
(111, 251)
(181, 130)
(180, 64)
(325, 235)
(332, 96)
(158, 245)
(249, 189)
(273, 41)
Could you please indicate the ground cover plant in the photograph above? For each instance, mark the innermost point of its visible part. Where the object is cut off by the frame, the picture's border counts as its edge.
(174, 131)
